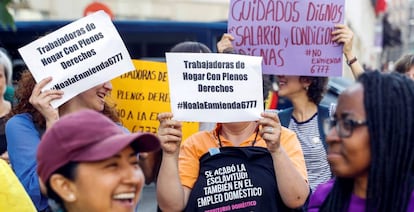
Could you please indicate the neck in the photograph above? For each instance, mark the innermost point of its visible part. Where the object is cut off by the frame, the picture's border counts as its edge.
(303, 109)
(238, 132)
(360, 186)
(69, 107)
(5, 107)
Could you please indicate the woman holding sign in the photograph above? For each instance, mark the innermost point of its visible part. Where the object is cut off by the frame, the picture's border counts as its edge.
(253, 166)
(306, 116)
(32, 115)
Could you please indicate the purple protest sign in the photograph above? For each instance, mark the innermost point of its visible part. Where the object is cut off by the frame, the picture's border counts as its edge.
(293, 37)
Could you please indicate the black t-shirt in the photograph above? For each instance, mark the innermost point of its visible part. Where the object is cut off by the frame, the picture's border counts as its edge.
(3, 142)
(236, 179)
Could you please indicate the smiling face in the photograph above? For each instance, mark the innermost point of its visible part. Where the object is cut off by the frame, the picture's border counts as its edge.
(114, 184)
(350, 156)
(291, 86)
(93, 98)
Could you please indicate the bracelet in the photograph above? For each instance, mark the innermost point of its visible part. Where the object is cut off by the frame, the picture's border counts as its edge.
(352, 61)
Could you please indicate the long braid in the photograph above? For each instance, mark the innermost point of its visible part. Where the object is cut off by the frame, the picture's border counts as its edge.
(389, 105)
(389, 100)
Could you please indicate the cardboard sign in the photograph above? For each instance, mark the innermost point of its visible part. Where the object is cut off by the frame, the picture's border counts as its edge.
(209, 87)
(78, 56)
(293, 37)
(143, 93)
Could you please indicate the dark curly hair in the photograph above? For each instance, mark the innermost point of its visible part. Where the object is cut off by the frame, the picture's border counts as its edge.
(317, 87)
(22, 95)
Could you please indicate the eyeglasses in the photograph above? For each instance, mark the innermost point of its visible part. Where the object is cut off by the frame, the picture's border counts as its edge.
(344, 127)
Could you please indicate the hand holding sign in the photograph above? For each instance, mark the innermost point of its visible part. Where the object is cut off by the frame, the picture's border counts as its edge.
(284, 32)
(217, 87)
(41, 101)
(78, 56)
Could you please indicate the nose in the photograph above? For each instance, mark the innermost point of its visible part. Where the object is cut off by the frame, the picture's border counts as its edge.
(332, 135)
(108, 85)
(133, 176)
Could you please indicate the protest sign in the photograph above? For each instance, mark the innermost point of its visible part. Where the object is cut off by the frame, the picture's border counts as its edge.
(293, 37)
(209, 87)
(78, 56)
(143, 93)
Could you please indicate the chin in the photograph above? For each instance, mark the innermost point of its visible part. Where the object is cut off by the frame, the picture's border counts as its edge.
(100, 106)
(281, 93)
(341, 173)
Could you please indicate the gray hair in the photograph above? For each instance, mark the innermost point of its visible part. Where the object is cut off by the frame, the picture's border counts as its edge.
(6, 62)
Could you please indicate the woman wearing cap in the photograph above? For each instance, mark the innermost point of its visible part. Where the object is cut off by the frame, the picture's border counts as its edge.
(370, 147)
(33, 114)
(94, 165)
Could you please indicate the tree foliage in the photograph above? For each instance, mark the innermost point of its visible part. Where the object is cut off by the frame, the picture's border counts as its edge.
(6, 19)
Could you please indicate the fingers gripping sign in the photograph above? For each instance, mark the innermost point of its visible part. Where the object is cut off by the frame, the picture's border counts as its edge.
(342, 34)
(41, 100)
(169, 133)
(270, 130)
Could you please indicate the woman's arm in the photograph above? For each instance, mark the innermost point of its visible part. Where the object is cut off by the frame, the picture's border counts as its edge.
(292, 186)
(171, 195)
(342, 34)
(23, 139)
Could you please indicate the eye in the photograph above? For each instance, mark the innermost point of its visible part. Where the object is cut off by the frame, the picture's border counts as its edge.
(347, 124)
(111, 165)
(134, 163)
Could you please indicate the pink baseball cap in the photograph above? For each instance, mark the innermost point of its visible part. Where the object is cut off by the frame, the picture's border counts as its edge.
(86, 136)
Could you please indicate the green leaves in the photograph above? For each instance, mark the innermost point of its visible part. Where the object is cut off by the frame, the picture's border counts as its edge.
(6, 19)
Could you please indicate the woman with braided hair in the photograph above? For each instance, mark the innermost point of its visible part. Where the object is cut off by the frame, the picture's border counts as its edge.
(370, 147)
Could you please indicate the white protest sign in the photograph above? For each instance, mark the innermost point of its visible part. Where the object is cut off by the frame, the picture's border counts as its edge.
(78, 56)
(209, 87)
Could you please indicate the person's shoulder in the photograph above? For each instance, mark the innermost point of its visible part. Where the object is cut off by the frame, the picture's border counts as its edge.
(411, 203)
(324, 188)
(324, 109)
(285, 115)
(289, 139)
(19, 122)
(199, 142)
(285, 111)
(19, 119)
(318, 197)
(199, 136)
